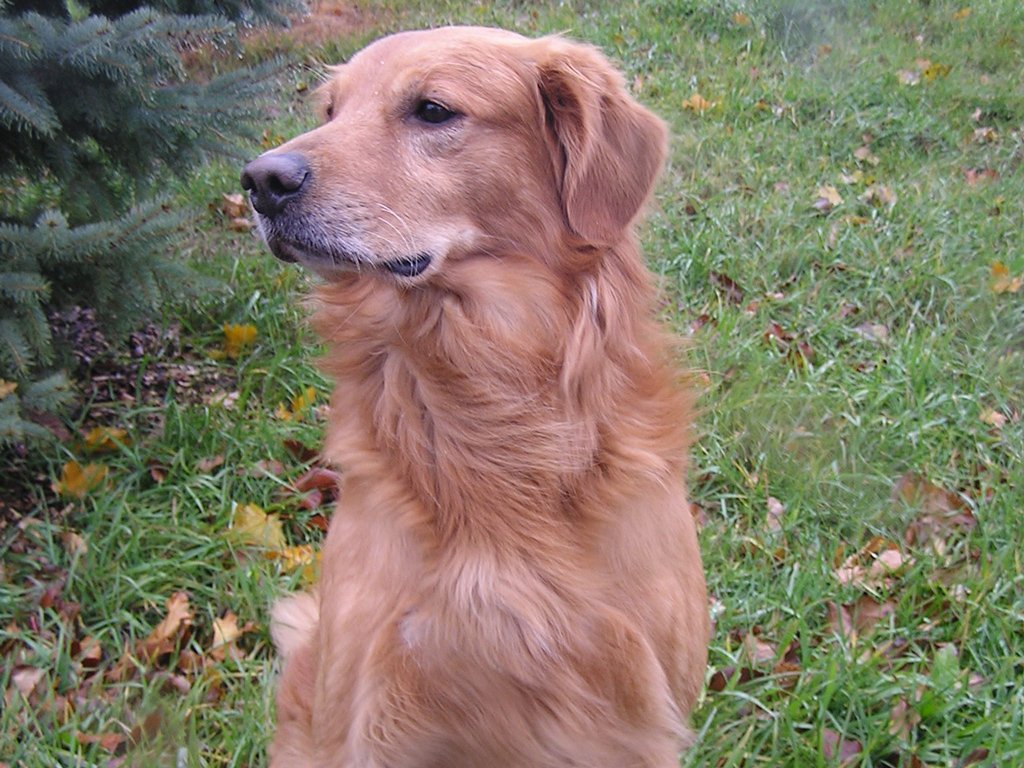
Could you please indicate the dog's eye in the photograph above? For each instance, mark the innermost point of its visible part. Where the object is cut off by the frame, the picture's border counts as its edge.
(432, 112)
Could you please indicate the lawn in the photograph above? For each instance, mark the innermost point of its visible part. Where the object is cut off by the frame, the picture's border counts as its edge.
(838, 237)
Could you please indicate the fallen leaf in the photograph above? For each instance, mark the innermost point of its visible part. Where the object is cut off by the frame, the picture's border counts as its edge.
(76, 481)
(879, 194)
(833, 745)
(727, 285)
(165, 634)
(108, 742)
(104, 439)
(963, 13)
(299, 405)
(974, 176)
(903, 719)
(302, 557)
(872, 332)
(985, 135)
(7, 388)
(225, 633)
(206, 466)
(994, 418)
(254, 526)
(865, 155)
(234, 205)
(828, 198)
(1000, 280)
(853, 620)
(698, 103)
(908, 76)
(873, 566)
(740, 19)
(73, 543)
(934, 70)
(775, 514)
(237, 338)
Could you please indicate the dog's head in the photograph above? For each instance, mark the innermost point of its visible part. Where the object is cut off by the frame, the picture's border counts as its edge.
(445, 144)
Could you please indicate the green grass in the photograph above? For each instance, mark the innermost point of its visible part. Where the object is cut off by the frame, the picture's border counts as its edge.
(796, 92)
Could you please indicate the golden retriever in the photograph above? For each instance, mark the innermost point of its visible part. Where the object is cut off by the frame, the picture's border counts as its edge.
(511, 577)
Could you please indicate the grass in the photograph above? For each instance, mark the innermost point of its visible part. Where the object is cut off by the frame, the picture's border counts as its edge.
(834, 348)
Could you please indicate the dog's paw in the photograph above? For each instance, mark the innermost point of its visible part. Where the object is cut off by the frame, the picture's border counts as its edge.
(293, 621)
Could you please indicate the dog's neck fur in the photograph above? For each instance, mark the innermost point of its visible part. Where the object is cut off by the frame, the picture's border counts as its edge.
(538, 393)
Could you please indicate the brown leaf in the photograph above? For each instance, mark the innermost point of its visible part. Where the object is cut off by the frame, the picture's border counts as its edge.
(206, 466)
(903, 719)
(107, 741)
(834, 745)
(974, 176)
(302, 453)
(225, 633)
(721, 677)
(165, 636)
(827, 199)
(726, 285)
(775, 514)
(852, 620)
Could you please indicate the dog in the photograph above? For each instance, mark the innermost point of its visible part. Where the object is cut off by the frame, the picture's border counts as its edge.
(512, 576)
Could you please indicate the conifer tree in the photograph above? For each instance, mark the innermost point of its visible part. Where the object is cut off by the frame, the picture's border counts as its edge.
(94, 113)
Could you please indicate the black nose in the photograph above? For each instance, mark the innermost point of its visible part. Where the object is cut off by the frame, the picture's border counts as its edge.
(273, 180)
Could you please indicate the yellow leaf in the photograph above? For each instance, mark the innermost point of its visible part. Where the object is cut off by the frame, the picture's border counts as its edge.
(299, 558)
(237, 337)
(1001, 282)
(225, 633)
(105, 439)
(698, 103)
(935, 70)
(740, 19)
(254, 526)
(7, 388)
(299, 405)
(76, 481)
(963, 13)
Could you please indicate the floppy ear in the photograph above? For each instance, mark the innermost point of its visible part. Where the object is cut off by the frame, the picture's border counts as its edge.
(607, 149)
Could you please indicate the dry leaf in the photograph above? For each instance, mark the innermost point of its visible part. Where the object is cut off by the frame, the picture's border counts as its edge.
(828, 198)
(7, 388)
(727, 285)
(225, 633)
(873, 566)
(908, 76)
(76, 481)
(864, 155)
(834, 745)
(105, 439)
(994, 418)
(740, 19)
(698, 103)
(879, 194)
(872, 332)
(903, 719)
(299, 405)
(164, 636)
(985, 135)
(963, 13)
(234, 205)
(237, 338)
(852, 620)
(73, 543)
(775, 514)
(974, 176)
(254, 526)
(1000, 280)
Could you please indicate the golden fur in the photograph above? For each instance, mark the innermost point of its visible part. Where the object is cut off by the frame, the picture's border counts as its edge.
(511, 577)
